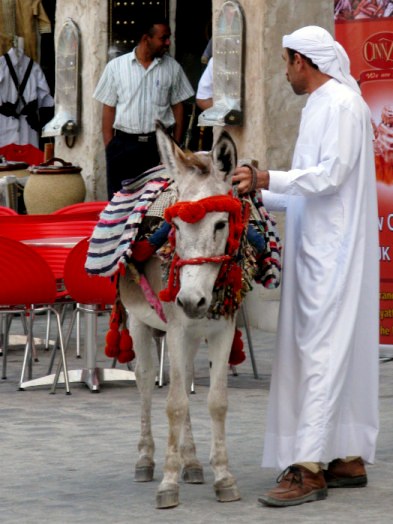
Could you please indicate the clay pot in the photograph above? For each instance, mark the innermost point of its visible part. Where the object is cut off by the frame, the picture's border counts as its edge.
(53, 185)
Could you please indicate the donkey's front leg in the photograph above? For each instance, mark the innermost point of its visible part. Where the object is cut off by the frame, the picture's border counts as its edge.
(177, 409)
(219, 348)
(192, 471)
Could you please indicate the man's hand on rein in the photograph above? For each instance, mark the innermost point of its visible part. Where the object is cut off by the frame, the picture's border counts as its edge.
(248, 178)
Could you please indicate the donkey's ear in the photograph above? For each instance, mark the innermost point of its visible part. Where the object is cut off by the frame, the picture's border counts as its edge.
(224, 155)
(170, 153)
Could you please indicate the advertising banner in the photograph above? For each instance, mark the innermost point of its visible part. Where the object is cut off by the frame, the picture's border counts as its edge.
(365, 29)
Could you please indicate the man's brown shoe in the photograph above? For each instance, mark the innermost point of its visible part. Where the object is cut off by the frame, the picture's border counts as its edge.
(342, 474)
(296, 485)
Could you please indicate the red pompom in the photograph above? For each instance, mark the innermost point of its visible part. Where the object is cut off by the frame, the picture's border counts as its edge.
(126, 356)
(192, 212)
(125, 341)
(112, 338)
(142, 250)
(237, 355)
(165, 295)
(112, 351)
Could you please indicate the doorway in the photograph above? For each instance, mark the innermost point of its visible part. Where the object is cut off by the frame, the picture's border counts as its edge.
(192, 33)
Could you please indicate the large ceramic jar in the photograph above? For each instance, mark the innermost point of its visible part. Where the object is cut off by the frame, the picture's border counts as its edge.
(53, 185)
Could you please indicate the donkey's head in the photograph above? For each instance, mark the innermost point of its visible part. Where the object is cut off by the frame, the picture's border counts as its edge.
(201, 217)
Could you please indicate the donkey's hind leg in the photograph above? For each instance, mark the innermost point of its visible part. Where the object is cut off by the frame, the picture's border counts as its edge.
(145, 372)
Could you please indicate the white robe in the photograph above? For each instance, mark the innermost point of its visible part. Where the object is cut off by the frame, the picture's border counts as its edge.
(17, 130)
(323, 401)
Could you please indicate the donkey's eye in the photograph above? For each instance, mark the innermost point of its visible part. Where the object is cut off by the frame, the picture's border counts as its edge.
(220, 225)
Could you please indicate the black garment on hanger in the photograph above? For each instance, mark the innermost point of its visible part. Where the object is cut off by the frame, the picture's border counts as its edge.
(29, 109)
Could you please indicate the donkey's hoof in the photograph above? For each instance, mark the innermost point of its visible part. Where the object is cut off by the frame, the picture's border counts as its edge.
(226, 493)
(169, 498)
(144, 473)
(193, 475)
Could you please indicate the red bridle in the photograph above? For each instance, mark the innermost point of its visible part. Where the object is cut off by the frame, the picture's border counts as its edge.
(192, 212)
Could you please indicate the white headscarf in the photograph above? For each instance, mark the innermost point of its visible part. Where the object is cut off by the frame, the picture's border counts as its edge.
(320, 47)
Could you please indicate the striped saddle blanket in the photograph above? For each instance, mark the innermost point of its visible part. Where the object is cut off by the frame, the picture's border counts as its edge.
(119, 224)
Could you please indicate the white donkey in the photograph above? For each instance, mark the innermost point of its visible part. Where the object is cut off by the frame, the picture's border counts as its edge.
(200, 250)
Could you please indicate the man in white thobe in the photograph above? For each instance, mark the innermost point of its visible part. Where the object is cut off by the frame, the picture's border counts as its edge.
(322, 420)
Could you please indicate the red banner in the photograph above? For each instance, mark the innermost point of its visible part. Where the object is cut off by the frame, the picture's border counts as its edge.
(365, 30)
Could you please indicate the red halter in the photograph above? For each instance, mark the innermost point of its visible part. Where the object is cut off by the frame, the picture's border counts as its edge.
(192, 212)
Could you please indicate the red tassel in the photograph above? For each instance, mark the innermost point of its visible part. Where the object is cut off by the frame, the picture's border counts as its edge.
(112, 352)
(118, 344)
(112, 338)
(125, 341)
(170, 292)
(165, 295)
(126, 356)
(237, 355)
(126, 352)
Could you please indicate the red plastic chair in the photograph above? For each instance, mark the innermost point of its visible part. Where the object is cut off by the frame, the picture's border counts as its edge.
(91, 293)
(27, 285)
(83, 287)
(7, 211)
(22, 153)
(16, 220)
(94, 208)
(52, 237)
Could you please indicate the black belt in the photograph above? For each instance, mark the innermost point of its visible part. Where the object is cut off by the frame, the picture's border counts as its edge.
(142, 137)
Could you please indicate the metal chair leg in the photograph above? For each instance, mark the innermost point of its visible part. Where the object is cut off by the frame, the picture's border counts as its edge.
(27, 358)
(78, 332)
(63, 360)
(47, 334)
(5, 333)
(66, 343)
(249, 340)
(160, 343)
(2, 329)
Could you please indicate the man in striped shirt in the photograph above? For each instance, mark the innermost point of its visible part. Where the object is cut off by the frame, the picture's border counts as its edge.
(136, 89)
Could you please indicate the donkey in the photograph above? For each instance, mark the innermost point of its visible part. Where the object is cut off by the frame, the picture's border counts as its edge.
(201, 220)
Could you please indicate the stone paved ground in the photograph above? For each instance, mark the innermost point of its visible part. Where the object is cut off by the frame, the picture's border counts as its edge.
(70, 459)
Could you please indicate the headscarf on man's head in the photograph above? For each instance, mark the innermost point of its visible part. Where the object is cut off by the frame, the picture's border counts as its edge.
(320, 47)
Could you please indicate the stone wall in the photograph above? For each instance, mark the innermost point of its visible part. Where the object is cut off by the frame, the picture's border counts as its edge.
(88, 151)
(272, 111)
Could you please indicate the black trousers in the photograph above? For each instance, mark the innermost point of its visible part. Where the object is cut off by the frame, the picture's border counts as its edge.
(127, 156)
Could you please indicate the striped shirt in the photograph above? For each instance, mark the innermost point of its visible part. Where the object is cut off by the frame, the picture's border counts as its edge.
(142, 96)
